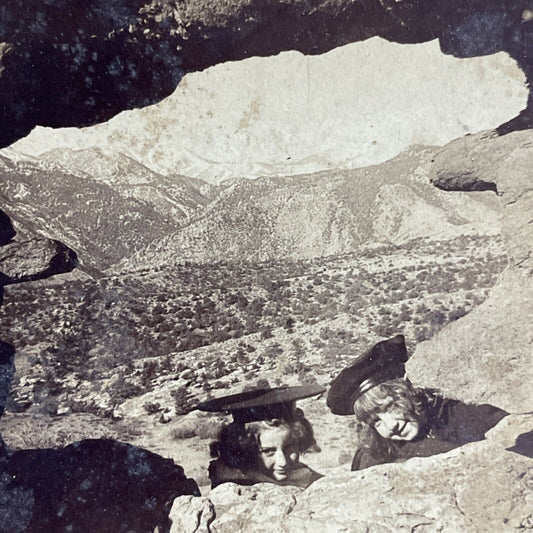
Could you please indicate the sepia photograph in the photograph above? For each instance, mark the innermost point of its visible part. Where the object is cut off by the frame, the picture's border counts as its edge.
(266, 266)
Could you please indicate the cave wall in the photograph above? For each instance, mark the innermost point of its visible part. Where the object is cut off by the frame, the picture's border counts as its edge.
(74, 63)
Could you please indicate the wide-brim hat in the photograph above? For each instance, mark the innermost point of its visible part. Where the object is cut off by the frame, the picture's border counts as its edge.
(385, 360)
(261, 404)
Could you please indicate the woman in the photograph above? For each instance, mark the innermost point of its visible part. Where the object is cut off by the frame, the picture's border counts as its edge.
(398, 420)
(265, 439)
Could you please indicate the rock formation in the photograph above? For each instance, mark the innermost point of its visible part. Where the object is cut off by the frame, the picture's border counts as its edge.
(483, 486)
(71, 63)
(34, 259)
(493, 343)
(92, 485)
(288, 114)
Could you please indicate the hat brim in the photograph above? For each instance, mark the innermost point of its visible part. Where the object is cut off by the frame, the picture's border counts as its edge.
(260, 398)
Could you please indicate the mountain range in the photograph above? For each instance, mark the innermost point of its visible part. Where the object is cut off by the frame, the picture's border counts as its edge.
(327, 213)
(105, 206)
(116, 212)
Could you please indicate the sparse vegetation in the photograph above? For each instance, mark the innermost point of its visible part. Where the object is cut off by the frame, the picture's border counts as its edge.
(97, 343)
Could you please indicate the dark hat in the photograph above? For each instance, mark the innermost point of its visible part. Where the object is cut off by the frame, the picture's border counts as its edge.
(261, 404)
(386, 360)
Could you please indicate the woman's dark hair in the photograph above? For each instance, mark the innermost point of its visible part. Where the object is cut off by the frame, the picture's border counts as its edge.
(238, 444)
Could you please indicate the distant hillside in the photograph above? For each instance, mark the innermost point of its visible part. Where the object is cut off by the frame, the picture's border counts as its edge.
(89, 345)
(327, 213)
(118, 213)
(83, 206)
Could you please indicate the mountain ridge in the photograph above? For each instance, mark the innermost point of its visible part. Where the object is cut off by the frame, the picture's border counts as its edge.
(138, 217)
(326, 213)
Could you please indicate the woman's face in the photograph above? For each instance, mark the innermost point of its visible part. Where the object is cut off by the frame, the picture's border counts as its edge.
(277, 452)
(397, 425)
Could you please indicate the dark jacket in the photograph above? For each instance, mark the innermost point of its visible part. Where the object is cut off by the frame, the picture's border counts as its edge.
(450, 424)
(301, 476)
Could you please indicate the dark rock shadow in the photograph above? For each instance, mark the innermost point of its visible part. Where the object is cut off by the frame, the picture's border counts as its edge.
(497, 27)
(523, 444)
(86, 63)
(7, 371)
(7, 231)
(96, 485)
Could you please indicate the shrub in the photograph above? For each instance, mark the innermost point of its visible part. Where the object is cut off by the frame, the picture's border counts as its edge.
(184, 432)
(183, 403)
(149, 371)
(152, 407)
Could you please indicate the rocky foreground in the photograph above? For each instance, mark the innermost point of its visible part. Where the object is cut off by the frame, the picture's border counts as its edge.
(486, 486)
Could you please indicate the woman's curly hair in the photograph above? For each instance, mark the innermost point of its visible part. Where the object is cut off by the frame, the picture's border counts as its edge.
(398, 394)
(238, 444)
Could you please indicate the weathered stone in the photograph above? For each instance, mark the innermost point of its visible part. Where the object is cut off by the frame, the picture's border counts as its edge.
(91, 485)
(191, 515)
(34, 259)
(70, 63)
(480, 487)
(485, 356)
(502, 162)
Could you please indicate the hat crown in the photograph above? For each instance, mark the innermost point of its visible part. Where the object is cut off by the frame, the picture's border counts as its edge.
(385, 360)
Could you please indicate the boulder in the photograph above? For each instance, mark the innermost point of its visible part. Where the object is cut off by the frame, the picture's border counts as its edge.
(484, 486)
(92, 485)
(34, 259)
(190, 514)
(505, 164)
(484, 356)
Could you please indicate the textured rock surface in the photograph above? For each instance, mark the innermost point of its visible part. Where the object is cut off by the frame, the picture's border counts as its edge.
(91, 485)
(191, 514)
(486, 355)
(506, 163)
(34, 259)
(71, 63)
(480, 487)
(493, 343)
